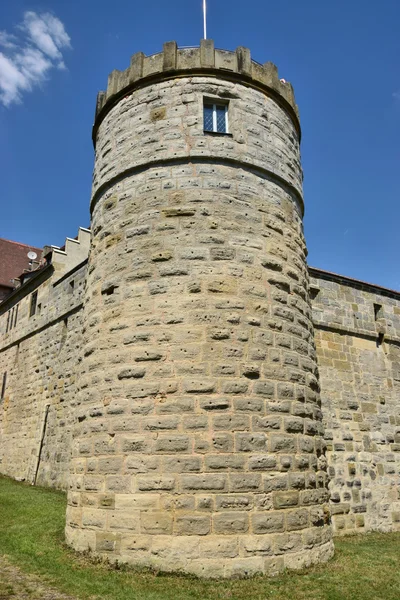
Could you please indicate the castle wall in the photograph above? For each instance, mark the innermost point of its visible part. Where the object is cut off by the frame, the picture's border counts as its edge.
(357, 333)
(199, 441)
(39, 360)
(173, 384)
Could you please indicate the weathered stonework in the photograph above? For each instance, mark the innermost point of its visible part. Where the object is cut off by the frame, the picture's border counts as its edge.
(38, 364)
(357, 333)
(199, 446)
(170, 381)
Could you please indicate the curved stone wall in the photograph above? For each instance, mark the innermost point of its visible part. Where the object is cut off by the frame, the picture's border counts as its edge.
(164, 122)
(198, 440)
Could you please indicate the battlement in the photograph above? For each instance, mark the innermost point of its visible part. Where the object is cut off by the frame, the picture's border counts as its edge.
(206, 59)
(74, 251)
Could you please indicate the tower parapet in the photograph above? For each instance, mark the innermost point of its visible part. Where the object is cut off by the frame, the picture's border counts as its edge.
(198, 443)
(174, 62)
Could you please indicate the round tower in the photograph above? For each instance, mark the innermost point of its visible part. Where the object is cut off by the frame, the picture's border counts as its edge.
(198, 441)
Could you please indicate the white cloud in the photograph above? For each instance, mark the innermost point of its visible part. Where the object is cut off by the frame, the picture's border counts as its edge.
(8, 40)
(28, 55)
(47, 32)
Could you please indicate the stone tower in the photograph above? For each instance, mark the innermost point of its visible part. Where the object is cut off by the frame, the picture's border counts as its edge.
(198, 438)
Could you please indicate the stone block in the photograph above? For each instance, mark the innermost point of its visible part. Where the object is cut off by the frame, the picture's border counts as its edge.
(126, 520)
(156, 523)
(244, 482)
(297, 519)
(172, 443)
(207, 53)
(209, 482)
(193, 525)
(231, 523)
(282, 443)
(107, 542)
(155, 482)
(267, 522)
(285, 499)
(170, 56)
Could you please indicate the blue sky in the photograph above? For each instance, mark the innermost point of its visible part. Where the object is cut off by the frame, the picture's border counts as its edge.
(343, 58)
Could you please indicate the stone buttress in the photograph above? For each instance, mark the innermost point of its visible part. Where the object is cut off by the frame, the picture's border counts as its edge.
(198, 434)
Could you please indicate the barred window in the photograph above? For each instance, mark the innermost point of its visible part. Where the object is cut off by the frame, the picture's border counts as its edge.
(216, 117)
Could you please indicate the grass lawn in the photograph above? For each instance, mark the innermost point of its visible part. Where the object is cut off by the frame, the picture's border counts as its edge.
(31, 537)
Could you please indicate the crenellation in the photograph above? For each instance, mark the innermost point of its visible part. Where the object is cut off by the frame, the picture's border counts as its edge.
(174, 61)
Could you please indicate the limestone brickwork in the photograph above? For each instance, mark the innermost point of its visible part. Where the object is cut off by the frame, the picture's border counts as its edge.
(199, 446)
(357, 333)
(38, 366)
(209, 409)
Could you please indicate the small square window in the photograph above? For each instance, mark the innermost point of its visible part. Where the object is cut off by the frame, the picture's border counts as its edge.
(216, 118)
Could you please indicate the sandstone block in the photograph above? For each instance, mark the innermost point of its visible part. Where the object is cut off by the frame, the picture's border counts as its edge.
(156, 523)
(231, 523)
(193, 525)
(286, 499)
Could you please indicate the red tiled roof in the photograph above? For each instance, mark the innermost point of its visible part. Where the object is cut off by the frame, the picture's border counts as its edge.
(14, 260)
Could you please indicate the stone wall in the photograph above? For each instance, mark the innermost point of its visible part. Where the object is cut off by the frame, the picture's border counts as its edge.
(38, 365)
(199, 441)
(357, 333)
(172, 384)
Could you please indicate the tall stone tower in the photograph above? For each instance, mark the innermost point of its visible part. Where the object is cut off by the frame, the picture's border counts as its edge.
(198, 438)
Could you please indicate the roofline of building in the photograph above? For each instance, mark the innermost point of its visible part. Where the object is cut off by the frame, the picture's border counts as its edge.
(27, 287)
(354, 282)
(20, 243)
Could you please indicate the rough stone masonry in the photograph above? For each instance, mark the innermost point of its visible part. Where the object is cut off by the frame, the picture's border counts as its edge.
(171, 381)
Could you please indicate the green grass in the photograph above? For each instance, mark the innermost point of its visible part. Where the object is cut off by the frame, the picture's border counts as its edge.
(31, 537)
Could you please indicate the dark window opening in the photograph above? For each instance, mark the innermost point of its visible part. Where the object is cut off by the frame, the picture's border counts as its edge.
(15, 316)
(314, 293)
(380, 340)
(71, 285)
(3, 387)
(216, 118)
(34, 298)
(8, 321)
(64, 333)
(378, 311)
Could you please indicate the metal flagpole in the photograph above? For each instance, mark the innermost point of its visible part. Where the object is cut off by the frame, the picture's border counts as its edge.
(205, 18)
